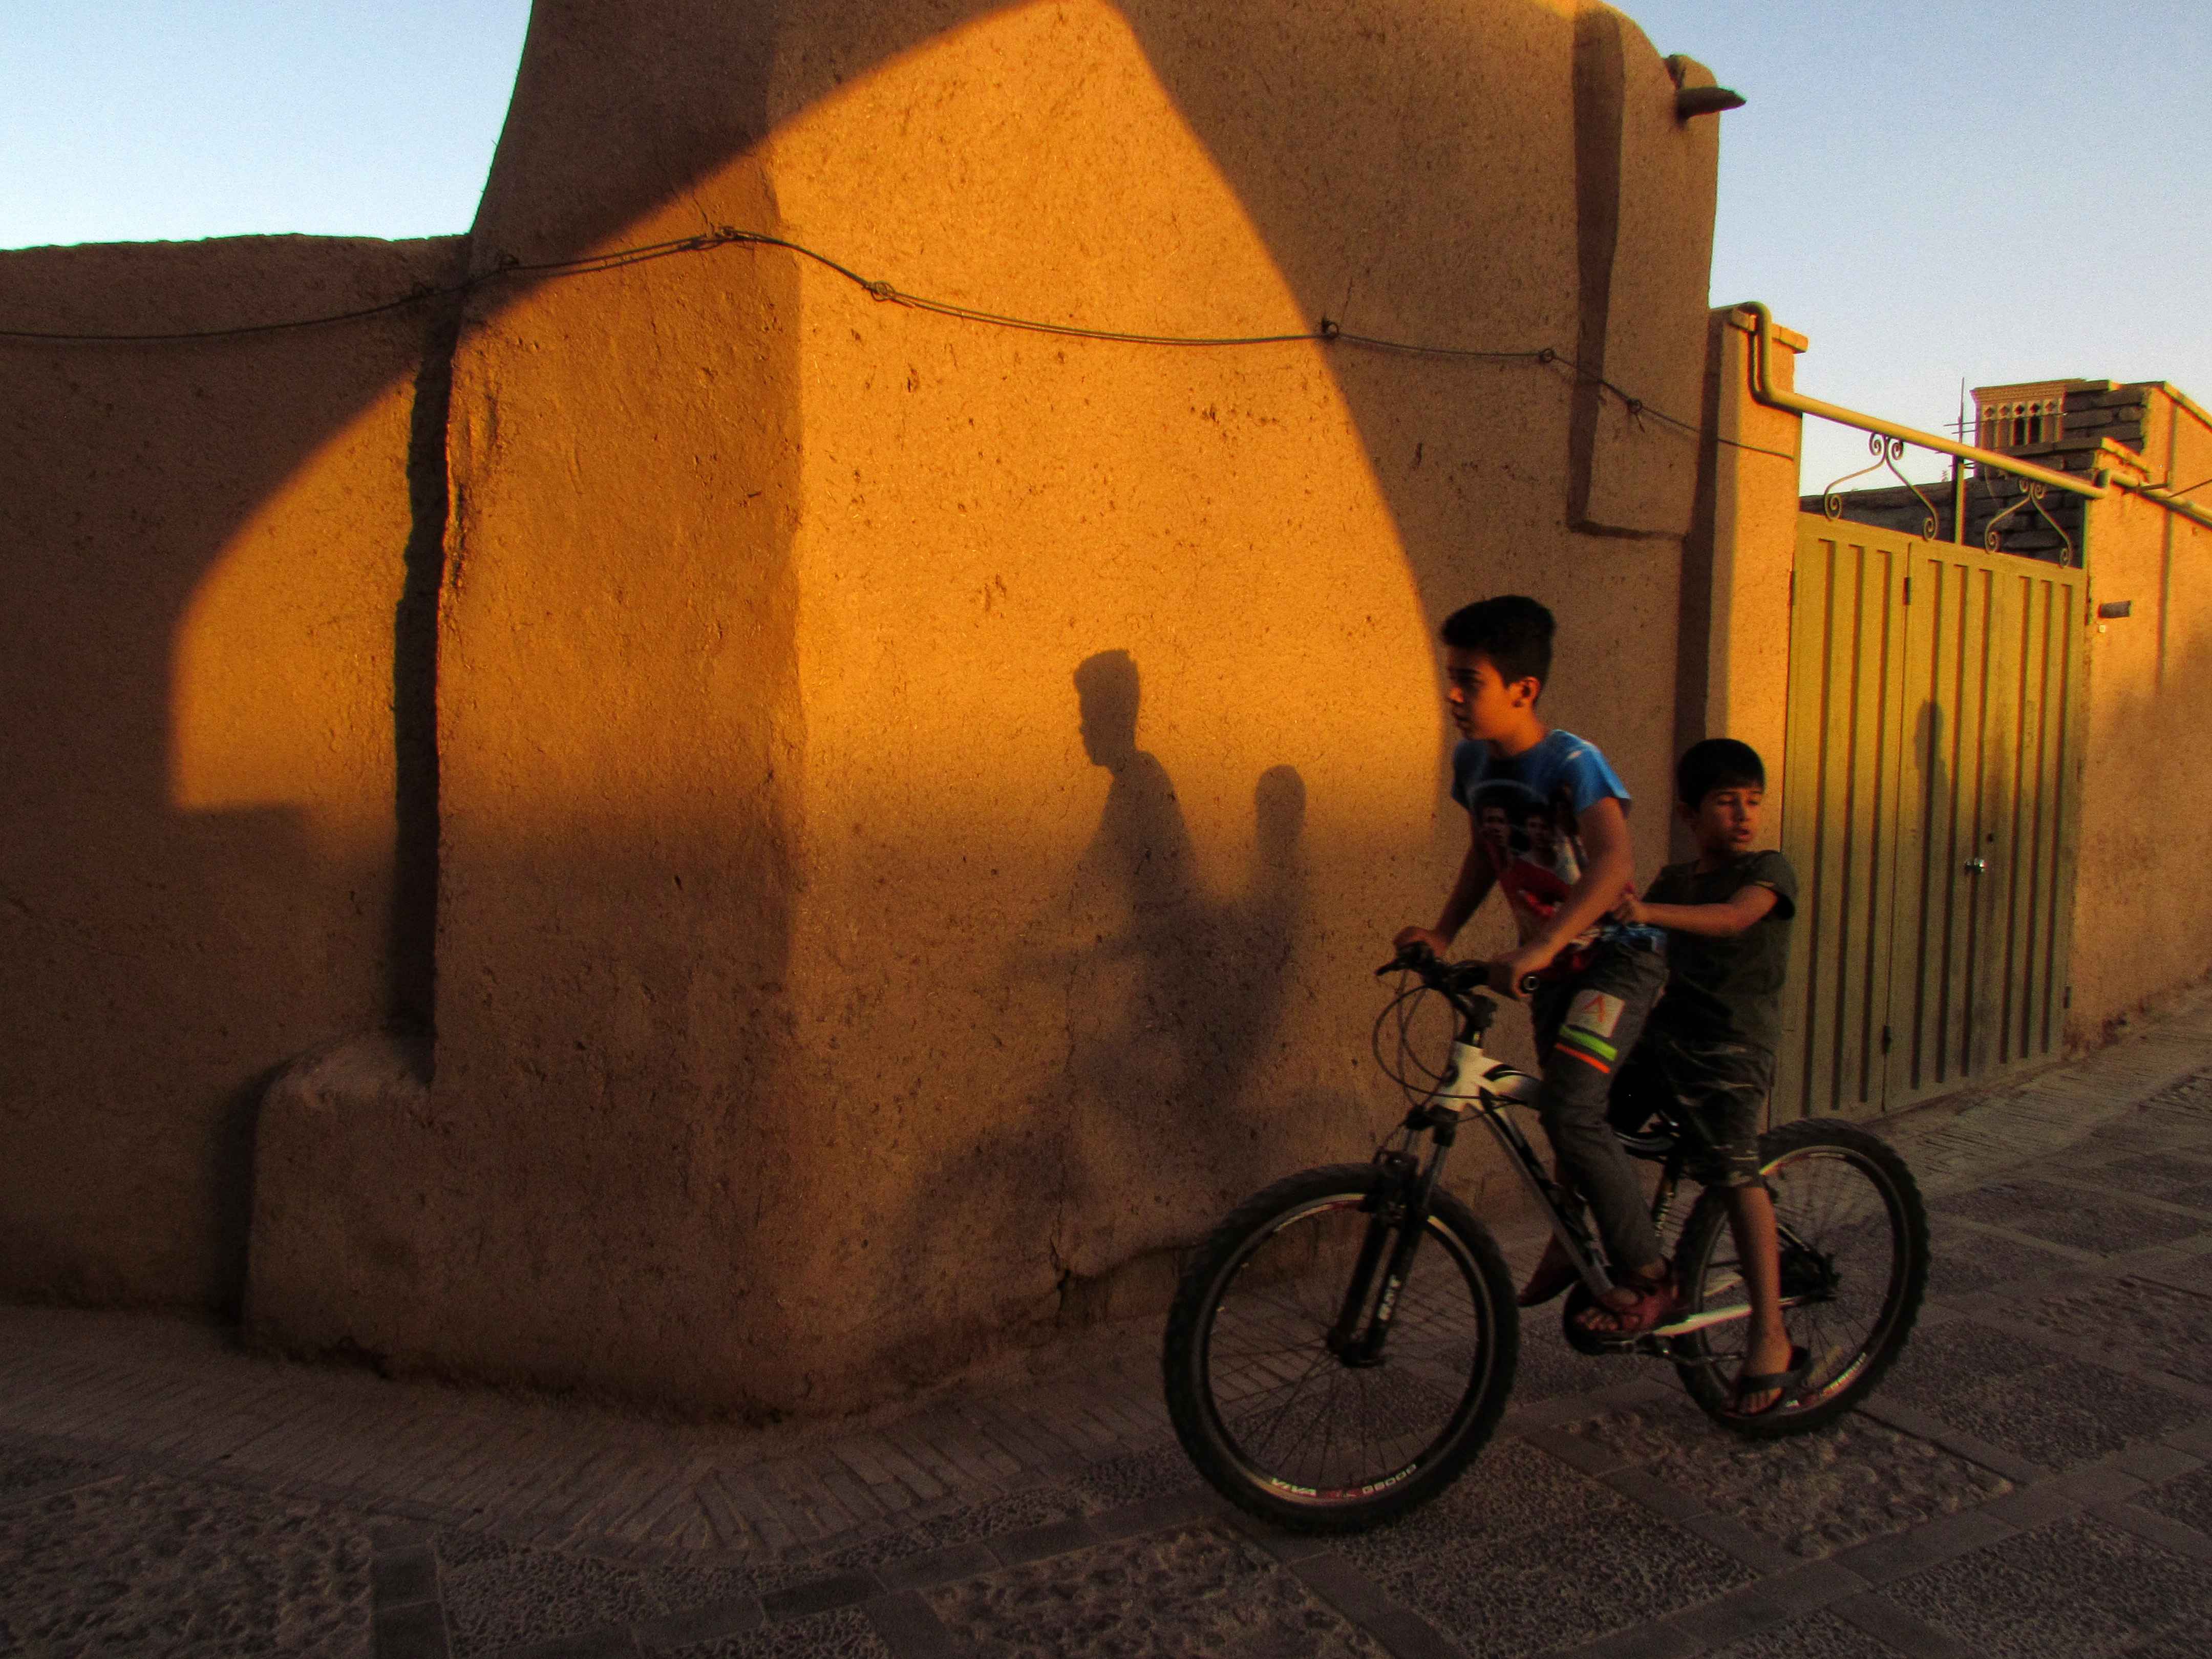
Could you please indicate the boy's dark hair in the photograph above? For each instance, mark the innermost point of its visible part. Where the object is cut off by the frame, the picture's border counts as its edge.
(1717, 763)
(1514, 633)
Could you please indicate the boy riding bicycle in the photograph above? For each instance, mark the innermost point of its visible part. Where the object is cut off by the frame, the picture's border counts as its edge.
(1597, 976)
(1286, 1317)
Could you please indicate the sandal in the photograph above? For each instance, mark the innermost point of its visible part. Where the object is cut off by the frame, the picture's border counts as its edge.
(1553, 1273)
(1781, 1384)
(1656, 1300)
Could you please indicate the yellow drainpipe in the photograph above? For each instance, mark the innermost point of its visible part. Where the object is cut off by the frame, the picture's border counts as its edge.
(1763, 388)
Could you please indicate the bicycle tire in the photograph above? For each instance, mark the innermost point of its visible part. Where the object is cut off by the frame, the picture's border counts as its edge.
(1855, 1244)
(1245, 1363)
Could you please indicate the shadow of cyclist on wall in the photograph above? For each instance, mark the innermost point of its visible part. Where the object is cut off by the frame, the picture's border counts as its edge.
(1171, 997)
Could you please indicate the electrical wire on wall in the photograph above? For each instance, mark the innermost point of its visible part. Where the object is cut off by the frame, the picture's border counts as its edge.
(1327, 332)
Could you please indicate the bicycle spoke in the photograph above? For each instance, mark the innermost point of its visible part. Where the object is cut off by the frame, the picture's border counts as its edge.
(1313, 1435)
(1283, 1411)
(1853, 1264)
(1324, 1426)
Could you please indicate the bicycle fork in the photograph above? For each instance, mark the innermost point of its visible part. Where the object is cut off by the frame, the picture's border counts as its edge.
(1402, 1207)
(1399, 1212)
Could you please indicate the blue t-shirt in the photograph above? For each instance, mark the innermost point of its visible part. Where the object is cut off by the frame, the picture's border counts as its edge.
(1527, 812)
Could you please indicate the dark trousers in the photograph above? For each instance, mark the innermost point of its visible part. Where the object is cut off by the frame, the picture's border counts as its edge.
(1586, 1025)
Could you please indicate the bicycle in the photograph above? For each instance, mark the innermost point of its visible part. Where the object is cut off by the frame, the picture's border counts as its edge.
(1342, 1346)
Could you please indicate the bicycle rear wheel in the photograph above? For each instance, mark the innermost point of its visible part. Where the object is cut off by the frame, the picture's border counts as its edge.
(1288, 1430)
(1854, 1269)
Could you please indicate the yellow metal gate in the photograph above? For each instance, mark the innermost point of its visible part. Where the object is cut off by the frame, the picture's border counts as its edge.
(1930, 802)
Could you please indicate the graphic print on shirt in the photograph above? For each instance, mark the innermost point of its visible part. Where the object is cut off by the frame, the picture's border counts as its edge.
(1527, 810)
(1534, 851)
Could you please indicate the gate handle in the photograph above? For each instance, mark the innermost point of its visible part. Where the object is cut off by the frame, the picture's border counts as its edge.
(1976, 867)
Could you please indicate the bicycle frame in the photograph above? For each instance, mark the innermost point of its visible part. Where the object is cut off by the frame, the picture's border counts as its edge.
(1405, 1210)
(1496, 1087)
(1474, 1084)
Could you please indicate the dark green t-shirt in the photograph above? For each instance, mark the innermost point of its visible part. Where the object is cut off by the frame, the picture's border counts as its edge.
(1727, 990)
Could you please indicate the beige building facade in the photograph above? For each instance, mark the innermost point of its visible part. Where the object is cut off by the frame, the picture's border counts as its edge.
(671, 819)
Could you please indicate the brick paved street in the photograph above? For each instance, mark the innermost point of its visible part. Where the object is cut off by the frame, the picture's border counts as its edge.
(2035, 1478)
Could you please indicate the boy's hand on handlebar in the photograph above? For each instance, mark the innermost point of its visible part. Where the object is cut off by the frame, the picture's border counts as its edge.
(1508, 972)
(1630, 910)
(1437, 942)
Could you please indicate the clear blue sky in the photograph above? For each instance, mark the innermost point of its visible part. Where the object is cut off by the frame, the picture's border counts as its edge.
(1975, 188)
(1984, 189)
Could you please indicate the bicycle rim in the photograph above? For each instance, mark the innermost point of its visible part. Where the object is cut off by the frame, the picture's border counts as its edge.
(1853, 1265)
(1299, 1426)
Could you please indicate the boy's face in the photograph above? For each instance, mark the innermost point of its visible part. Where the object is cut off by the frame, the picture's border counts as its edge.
(1483, 706)
(1497, 828)
(1726, 822)
(1543, 834)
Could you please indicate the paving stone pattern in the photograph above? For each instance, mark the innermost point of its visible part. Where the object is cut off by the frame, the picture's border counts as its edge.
(1202, 1591)
(1525, 1555)
(1822, 1635)
(2071, 1214)
(841, 1633)
(2035, 1476)
(2079, 1587)
(2041, 1403)
(137, 1563)
(1813, 1495)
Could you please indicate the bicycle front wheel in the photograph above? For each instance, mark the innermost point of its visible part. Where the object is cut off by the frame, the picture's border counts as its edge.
(1305, 1436)
(1854, 1238)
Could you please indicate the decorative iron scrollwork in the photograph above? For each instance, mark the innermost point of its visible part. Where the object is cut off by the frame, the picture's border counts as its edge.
(2032, 492)
(1989, 536)
(2036, 493)
(1887, 453)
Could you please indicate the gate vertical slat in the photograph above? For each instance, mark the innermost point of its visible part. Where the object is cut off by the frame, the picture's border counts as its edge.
(1969, 721)
(2066, 725)
(1999, 802)
(1811, 607)
(1927, 955)
(1875, 828)
(1846, 853)
(2049, 629)
(2019, 868)
(1832, 798)
(1940, 637)
(1920, 831)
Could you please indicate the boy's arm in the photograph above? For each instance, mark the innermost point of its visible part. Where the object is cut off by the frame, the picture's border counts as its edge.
(1476, 879)
(1731, 916)
(1609, 867)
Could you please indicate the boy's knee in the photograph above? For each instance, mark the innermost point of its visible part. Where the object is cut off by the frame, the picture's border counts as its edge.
(1733, 1168)
(1572, 1101)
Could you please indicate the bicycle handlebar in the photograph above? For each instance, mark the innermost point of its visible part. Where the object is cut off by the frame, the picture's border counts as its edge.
(1453, 978)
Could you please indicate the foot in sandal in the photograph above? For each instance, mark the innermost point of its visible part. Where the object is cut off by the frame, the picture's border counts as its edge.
(1773, 1368)
(1638, 1302)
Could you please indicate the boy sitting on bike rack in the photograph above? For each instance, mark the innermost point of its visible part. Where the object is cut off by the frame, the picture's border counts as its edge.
(1711, 1043)
(1596, 978)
